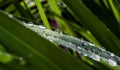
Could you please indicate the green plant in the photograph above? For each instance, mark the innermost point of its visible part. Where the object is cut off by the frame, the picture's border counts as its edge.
(26, 44)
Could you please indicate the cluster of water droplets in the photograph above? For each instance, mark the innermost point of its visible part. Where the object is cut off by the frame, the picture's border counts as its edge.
(82, 47)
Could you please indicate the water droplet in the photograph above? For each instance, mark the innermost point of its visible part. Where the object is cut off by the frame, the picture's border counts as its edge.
(10, 15)
(95, 57)
(23, 22)
(59, 31)
(50, 38)
(79, 52)
(79, 47)
(85, 54)
(91, 44)
(111, 54)
(112, 63)
(103, 49)
(30, 24)
(42, 27)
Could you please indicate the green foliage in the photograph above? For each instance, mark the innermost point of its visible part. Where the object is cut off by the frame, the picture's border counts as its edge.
(85, 48)
(37, 51)
(43, 16)
(95, 25)
(96, 21)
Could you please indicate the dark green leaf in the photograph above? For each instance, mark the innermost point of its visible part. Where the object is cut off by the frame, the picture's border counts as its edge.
(95, 25)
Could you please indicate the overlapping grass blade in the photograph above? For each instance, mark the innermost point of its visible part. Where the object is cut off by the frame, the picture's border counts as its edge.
(42, 14)
(95, 25)
(63, 24)
(10, 62)
(21, 10)
(101, 12)
(115, 6)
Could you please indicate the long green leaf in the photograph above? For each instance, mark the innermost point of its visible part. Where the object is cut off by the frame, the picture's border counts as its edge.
(38, 51)
(84, 48)
(115, 6)
(100, 11)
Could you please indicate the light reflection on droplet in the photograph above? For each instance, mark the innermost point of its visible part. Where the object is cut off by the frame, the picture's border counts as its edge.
(79, 52)
(91, 44)
(30, 24)
(79, 47)
(42, 27)
(95, 57)
(111, 54)
(112, 63)
(10, 15)
(85, 54)
(58, 3)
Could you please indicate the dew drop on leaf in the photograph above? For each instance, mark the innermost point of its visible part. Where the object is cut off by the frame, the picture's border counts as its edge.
(11, 16)
(112, 63)
(79, 47)
(42, 27)
(95, 57)
(91, 44)
(111, 54)
(85, 54)
(30, 24)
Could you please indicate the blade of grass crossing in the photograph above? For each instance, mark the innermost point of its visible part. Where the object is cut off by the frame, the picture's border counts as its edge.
(64, 25)
(100, 11)
(28, 10)
(42, 14)
(115, 8)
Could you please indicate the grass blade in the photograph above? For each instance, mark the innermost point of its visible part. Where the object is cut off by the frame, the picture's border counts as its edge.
(66, 28)
(100, 11)
(41, 53)
(42, 14)
(115, 6)
(95, 25)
